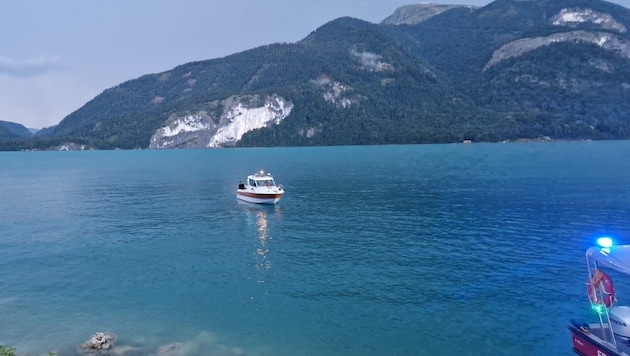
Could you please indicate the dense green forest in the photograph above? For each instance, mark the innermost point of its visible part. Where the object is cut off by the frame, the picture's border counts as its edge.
(427, 82)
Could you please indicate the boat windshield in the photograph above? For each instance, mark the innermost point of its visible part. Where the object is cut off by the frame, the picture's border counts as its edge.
(262, 183)
(267, 183)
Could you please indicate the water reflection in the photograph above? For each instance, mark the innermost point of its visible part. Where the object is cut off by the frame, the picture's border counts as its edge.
(262, 264)
(258, 216)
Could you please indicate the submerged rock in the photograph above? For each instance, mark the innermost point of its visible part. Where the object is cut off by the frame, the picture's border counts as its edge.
(172, 349)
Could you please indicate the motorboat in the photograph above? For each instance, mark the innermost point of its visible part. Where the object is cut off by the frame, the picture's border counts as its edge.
(260, 188)
(610, 334)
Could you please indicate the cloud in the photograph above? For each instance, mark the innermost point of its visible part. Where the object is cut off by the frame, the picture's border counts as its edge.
(29, 67)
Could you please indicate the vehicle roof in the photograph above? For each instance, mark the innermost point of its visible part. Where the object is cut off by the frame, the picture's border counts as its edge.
(259, 176)
(615, 257)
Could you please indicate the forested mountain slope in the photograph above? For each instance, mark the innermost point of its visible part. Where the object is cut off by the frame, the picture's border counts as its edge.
(512, 69)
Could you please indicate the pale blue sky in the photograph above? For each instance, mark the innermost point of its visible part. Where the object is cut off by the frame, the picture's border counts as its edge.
(57, 55)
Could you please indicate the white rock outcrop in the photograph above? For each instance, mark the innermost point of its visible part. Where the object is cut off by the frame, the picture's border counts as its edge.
(240, 114)
(605, 40)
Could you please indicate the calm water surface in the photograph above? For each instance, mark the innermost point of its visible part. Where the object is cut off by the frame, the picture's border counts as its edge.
(379, 250)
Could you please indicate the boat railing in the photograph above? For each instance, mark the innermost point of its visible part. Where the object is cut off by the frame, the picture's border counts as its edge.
(602, 310)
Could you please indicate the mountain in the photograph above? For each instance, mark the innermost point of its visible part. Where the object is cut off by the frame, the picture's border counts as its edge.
(427, 74)
(333, 87)
(11, 130)
(414, 14)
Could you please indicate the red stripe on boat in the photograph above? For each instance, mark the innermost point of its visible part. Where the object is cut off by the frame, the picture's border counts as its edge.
(260, 196)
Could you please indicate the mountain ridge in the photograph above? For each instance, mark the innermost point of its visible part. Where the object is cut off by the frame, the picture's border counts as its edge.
(505, 71)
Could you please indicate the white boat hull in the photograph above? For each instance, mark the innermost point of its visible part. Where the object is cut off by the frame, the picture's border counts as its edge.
(258, 198)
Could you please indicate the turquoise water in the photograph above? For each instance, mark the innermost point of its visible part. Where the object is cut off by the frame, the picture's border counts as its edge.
(378, 250)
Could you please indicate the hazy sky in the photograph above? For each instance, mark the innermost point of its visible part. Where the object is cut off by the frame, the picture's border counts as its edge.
(57, 55)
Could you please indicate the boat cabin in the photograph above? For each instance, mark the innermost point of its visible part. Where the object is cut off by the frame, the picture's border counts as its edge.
(261, 180)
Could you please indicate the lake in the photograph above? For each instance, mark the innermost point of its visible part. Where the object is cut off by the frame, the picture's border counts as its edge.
(374, 250)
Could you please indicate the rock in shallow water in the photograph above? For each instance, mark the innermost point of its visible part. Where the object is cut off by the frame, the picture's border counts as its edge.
(97, 343)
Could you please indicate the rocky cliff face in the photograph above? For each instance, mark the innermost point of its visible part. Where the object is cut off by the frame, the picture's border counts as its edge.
(239, 115)
(605, 40)
(571, 17)
(414, 14)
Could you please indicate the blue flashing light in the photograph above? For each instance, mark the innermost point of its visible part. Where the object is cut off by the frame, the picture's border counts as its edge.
(605, 242)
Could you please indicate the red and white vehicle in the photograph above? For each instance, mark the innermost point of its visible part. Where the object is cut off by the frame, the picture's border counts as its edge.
(260, 188)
